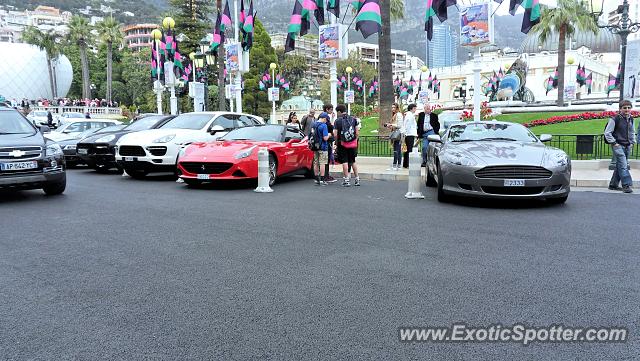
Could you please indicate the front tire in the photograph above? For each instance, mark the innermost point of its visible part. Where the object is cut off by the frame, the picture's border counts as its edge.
(273, 170)
(442, 196)
(55, 188)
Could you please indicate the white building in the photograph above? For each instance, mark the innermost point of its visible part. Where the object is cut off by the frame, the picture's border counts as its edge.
(45, 18)
(370, 53)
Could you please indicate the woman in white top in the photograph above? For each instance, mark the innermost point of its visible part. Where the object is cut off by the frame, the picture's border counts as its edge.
(410, 132)
(396, 124)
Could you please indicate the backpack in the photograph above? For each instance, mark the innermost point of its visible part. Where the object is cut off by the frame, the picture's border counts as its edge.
(348, 130)
(314, 138)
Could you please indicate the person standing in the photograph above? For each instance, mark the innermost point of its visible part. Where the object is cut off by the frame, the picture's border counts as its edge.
(396, 136)
(293, 120)
(410, 132)
(346, 133)
(49, 119)
(321, 156)
(328, 109)
(307, 122)
(620, 133)
(428, 124)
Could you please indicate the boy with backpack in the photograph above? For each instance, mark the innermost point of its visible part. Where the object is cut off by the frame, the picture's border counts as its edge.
(318, 137)
(346, 133)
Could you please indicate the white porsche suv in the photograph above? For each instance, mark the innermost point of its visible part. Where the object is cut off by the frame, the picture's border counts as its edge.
(156, 150)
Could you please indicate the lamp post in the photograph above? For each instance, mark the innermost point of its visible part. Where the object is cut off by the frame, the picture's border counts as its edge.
(207, 59)
(273, 67)
(238, 89)
(156, 35)
(622, 27)
(424, 70)
(572, 83)
(349, 70)
(477, 68)
(168, 24)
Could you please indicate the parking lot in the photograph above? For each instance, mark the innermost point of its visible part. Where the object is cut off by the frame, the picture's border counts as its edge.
(118, 268)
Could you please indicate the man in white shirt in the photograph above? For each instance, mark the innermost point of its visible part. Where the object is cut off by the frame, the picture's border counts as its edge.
(410, 131)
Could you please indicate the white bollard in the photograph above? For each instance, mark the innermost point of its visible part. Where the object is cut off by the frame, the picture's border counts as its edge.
(125, 174)
(263, 172)
(415, 175)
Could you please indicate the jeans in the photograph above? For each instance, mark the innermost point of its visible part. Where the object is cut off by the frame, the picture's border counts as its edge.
(397, 153)
(621, 173)
(425, 144)
(408, 140)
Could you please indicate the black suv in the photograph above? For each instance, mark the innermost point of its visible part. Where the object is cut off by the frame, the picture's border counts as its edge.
(27, 159)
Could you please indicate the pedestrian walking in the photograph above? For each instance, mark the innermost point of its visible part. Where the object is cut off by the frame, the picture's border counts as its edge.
(328, 109)
(307, 122)
(346, 135)
(428, 124)
(410, 132)
(49, 119)
(620, 133)
(395, 137)
(292, 121)
(321, 156)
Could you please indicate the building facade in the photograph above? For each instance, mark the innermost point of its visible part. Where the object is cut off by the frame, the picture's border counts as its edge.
(306, 46)
(138, 36)
(370, 53)
(441, 50)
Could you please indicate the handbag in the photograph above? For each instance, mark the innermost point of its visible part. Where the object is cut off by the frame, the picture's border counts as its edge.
(395, 135)
(404, 147)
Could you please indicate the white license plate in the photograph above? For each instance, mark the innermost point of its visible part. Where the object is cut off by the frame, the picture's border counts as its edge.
(128, 159)
(83, 151)
(514, 182)
(203, 176)
(19, 165)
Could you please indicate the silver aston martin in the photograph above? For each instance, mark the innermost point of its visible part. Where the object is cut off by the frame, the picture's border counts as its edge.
(497, 160)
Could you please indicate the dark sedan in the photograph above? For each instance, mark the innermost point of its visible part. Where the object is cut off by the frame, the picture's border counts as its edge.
(98, 150)
(69, 145)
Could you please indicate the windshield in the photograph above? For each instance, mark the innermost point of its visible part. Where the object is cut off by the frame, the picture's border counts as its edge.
(144, 123)
(11, 122)
(73, 115)
(188, 121)
(111, 128)
(269, 133)
(490, 132)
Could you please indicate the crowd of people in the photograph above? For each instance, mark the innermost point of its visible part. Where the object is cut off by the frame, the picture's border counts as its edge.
(64, 102)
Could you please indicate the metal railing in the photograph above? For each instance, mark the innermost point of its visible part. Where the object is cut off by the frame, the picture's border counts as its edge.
(79, 109)
(578, 147)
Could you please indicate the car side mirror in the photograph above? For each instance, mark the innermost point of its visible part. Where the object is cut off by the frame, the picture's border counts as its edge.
(45, 129)
(545, 137)
(434, 138)
(215, 129)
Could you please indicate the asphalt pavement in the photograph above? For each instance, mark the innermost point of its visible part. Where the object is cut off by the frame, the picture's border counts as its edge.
(120, 269)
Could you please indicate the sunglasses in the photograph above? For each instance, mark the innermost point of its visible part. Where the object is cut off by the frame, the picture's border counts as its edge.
(626, 108)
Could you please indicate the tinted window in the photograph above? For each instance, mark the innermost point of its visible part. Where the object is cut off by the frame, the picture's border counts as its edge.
(188, 121)
(144, 123)
(246, 121)
(226, 121)
(490, 132)
(271, 133)
(12, 122)
(75, 127)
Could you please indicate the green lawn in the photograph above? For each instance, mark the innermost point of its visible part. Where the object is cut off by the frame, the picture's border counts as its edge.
(595, 126)
(527, 117)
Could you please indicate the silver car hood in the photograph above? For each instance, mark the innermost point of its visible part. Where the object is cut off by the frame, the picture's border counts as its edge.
(503, 153)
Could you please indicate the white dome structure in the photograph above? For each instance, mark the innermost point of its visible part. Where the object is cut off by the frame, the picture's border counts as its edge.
(24, 73)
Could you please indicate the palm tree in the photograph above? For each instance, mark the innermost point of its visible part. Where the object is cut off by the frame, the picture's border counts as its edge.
(80, 33)
(393, 9)
(563, 20)
(48, 42)
(110, 33)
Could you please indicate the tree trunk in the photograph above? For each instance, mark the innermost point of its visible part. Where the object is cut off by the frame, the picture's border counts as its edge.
(222, 103)
(562, 46)
(109, 69)
(385, 68)
(85, 72)
(51, 81)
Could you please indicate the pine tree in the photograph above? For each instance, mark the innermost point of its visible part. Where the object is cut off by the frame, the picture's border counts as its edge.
(262, 54)
(193, 19)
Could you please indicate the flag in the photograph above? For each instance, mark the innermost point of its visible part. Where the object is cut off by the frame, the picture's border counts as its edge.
(441, 6)
(247, 29)
(532, 13)
(295, 25)
(333, 6)
(154, 60)
(430, 82)
(555, 78)
(580, 75)
(620, 75)
(170, 44)
(242, 16)
(428, 19)
(589, 82)
(308, 6)
(611, 84)
(412, 84)
(357, 5)
(368, 20)
(218, 36)
(319, 12)
(513, 6)
(226, 18)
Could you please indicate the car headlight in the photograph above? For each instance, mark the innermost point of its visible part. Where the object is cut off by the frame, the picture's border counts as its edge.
(106, 138)
(558, 160)
(459, 159)
(245, 153)
(53, 150)
(165, 139)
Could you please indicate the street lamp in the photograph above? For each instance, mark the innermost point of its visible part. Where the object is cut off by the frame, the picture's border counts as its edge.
(623, 27)
(156, 35)
(168, 24)
(424, 70)
(349, 70)
(273, 67)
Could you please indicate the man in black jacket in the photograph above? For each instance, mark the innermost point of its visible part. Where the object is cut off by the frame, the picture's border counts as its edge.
(426, 129)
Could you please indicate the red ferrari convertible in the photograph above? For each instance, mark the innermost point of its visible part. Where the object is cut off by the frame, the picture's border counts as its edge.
(235, 155)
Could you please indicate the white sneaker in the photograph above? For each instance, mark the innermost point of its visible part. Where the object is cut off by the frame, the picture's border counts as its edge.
(391, 169)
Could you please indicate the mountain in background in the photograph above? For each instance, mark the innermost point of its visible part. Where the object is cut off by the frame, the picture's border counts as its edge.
(406, 34)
